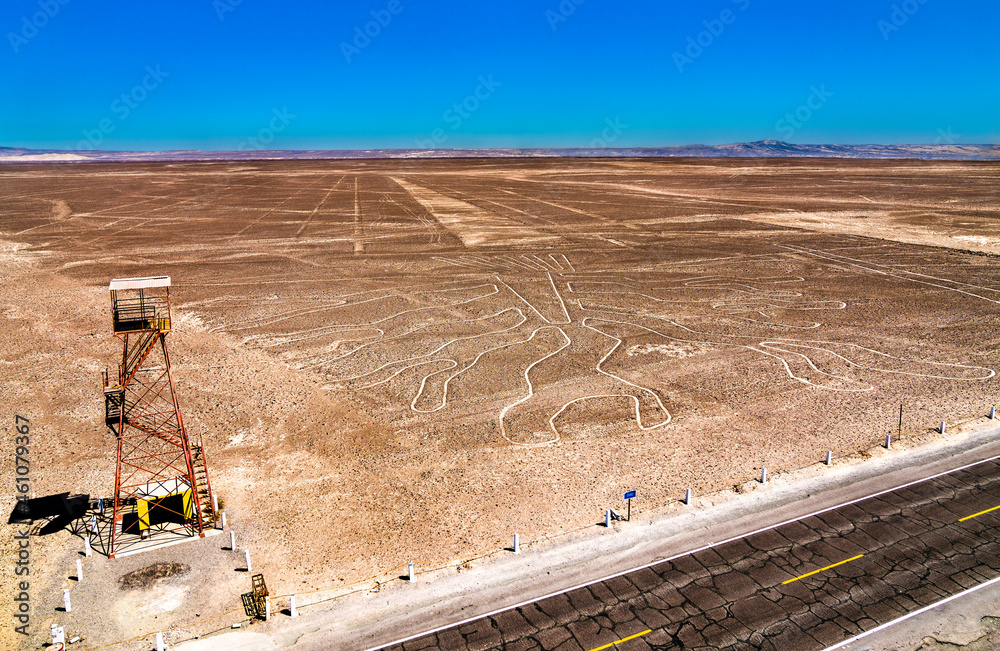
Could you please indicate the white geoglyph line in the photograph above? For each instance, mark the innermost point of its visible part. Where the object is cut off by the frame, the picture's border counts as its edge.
(811, 326)
(273, 209)
(521, 264)
(545, 265)
(559, 296)
(536, 262)
(411, 331)
(526, 302)
(447, 382)
(529, 262)
(905, 271)
(793, 342)
(451, 262)
(751, 306)
(531, 388)
(814, 367)
(271, 319)
(734, 287)
(844, 261)
(884, 370)
(320, 359)
(435, 351)
(638, 416)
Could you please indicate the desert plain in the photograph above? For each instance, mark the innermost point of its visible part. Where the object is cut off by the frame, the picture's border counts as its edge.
(396, 360)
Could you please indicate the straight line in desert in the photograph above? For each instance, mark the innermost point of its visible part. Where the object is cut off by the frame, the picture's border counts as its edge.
(471, 224)
(305, 222)
(600, 218)
(555, 225)
(270, 211)
(359, 245)
(868, 266)
(701, 197)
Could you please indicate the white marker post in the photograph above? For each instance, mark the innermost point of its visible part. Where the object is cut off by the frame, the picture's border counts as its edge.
(888, 441)
(295, 613)
(763, 475)
(159, 642)
(607, 518)
(944, 426)
(232, 540)
(517, 543)
(267, 609)
(223, 519)
(829, 457)
(93, 524)
(246, 555)
(412, 577)
(67, 606)
(215, 503)
(993, 413)
(87, 551)
(79, 570)
(687, 497)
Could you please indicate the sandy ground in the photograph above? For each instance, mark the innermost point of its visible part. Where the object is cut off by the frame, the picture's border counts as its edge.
(384, 371)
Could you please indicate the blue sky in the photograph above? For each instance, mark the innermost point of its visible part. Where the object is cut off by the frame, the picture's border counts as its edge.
(247, 74)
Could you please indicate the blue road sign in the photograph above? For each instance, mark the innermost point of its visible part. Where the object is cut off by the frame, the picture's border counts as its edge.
(629, 495)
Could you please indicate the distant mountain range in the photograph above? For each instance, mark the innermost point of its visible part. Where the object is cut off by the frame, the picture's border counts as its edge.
(759, 149)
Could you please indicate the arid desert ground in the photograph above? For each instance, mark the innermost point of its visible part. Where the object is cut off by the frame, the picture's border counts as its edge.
(396, 360)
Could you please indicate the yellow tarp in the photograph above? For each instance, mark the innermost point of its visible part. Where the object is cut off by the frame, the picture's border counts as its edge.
(146, 505)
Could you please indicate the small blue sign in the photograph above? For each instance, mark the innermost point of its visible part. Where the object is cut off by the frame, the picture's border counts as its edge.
(629, 495)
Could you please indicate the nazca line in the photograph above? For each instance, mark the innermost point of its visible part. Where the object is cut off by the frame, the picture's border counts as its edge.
(268, 320)
(568, 319)
(454, 362)
(404, 334)
(638, 415)
(531, 388)
(843, 260)
(792, 342)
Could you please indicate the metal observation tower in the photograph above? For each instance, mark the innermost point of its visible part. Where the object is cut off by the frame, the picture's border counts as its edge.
(161, 480)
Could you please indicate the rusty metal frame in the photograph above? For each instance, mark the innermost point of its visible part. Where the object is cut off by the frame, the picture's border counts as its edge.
(154, 452)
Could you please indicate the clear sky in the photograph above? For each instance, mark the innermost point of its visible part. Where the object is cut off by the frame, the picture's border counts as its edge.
(230, 74)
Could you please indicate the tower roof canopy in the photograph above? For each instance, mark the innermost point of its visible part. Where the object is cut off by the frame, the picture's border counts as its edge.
(139, 283)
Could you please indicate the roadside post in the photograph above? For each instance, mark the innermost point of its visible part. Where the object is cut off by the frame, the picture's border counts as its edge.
(628, 496)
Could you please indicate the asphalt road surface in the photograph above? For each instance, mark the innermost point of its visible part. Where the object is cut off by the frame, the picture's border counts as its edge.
(808, 584)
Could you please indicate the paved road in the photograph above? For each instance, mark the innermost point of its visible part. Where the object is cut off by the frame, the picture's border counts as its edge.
(807, 584)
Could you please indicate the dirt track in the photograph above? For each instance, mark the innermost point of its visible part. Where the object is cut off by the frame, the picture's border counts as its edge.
(392, 360)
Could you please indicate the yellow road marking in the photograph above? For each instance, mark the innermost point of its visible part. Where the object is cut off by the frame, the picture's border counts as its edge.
(976, 515)
(822, 569)
(624, 639)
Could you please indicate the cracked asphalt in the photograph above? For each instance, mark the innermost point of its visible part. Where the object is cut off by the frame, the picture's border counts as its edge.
(891, 555)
